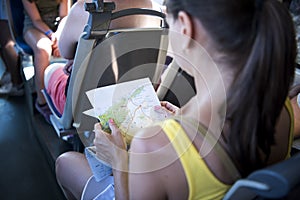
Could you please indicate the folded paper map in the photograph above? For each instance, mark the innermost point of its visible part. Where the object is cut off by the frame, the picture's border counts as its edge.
(130, 104)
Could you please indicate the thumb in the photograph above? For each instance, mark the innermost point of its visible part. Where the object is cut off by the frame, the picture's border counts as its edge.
(112, 126)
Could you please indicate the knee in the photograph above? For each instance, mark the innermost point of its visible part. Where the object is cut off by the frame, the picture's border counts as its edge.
(42, 52)
(61, 165)
(50, 70)
(69, 164)
(43, 49)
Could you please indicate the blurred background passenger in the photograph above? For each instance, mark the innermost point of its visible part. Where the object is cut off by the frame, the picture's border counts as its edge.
(40, 25)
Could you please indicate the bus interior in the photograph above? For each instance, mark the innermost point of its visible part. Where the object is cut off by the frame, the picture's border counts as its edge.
(30, 145)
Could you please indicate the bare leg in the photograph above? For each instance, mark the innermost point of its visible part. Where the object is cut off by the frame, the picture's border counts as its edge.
(72, 173)
(10, 55)
(42, 49)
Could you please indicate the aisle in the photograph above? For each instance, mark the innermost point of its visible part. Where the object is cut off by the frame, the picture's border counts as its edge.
(24, 170)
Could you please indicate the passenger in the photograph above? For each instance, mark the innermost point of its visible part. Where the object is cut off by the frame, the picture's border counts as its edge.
(253, 46)
(41, 20)
(11, 81)
(57, 74)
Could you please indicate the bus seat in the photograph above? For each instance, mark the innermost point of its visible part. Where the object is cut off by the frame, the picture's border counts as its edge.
(15, 14)
(133, 53)
(278, 181)
(63, 123)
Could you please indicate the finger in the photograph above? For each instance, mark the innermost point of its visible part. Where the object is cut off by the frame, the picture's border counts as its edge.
(159, 109)
(163, 103)
(167, 105)
(56, 54)
(112, 126)
(170, 107)
(66, 72)
(97, 127)
(69, 68)
(66, 69)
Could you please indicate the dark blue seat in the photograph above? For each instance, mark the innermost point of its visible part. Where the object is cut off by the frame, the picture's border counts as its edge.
(279, 181)
(15, 13)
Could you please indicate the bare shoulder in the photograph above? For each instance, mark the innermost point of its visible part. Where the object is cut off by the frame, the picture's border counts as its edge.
(151, 150)
(148, 140)
(153, 163)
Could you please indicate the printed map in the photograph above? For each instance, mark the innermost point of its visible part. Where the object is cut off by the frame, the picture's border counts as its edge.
(131, 104)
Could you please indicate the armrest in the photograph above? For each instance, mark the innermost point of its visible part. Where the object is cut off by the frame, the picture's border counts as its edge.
(280, 178)
(275, 181)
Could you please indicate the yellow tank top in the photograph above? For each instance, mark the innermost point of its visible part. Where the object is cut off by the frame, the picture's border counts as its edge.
(201, 181)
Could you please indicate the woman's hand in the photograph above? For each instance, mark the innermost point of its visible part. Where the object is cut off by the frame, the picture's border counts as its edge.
(55, 49)
(165, 110)
(55, 52)
(172, 109)
(68, 67)
(111, 148)
(53, 38)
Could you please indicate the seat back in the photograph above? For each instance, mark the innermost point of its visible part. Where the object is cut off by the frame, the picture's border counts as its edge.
(128, 55)
(63, 124)
(106, 57)
(15, 15)
(274, 182)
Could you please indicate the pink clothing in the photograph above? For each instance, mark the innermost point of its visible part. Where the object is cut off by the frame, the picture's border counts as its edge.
(56, 89)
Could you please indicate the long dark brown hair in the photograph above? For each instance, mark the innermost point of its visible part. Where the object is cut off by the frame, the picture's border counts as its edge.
(258, 39)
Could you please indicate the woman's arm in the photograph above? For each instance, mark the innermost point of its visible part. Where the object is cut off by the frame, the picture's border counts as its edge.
(150, 159)
(111, 148)
(149, 171)
(64, 8)
(121, 184)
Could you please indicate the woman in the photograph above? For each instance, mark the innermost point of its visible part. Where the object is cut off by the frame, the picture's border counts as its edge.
(252, 44)
(41, 20)
(241, 55)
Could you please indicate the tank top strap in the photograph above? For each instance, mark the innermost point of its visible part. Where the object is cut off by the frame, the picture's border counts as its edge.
(217, 147)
